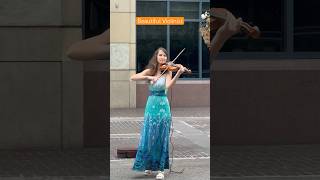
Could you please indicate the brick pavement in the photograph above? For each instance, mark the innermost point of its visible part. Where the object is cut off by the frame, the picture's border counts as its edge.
(263, 161)
(53, 163)
(126, 133)
(229, 162)
(69, 164)
(176, 112)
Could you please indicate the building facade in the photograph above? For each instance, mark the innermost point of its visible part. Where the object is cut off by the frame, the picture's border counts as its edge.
(132, 46)
(265, 91)
(47, 99)
(40, 107)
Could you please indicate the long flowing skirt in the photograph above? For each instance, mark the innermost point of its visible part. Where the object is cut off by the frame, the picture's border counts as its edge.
(153, 149)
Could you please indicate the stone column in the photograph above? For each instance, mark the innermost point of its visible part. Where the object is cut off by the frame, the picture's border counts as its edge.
(123, 53)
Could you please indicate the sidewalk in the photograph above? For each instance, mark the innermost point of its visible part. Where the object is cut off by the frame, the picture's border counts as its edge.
(191, 142)
(53, 164)
(266, 162)
(194, 169)
(192, 152)
(90, 163)
(176, 112)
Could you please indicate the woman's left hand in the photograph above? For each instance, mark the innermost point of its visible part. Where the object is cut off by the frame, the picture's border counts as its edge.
(181, 69)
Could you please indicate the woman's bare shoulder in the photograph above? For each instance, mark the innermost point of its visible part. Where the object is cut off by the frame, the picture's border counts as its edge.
(147, 72)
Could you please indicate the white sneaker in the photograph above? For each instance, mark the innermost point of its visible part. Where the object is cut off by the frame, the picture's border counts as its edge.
(160, 175)
(147, 172)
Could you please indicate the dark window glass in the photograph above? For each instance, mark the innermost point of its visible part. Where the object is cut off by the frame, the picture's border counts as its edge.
(267, 15)
(205, 51)
(186, 36)
(145, 8)
(189, 10)
(306, 25)
(205, 6)
(149, 38)
(205, 61)
(95, 17)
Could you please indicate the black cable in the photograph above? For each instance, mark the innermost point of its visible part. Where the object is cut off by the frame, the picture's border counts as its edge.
(171, 134)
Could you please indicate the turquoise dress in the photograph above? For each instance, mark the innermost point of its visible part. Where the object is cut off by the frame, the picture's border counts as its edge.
(153, 149)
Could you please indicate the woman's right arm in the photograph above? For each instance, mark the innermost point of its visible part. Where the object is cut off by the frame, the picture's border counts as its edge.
(94, 48)
(144, 75)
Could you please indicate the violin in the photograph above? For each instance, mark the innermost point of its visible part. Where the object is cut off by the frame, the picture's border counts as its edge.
(219, 16)
(216, 17)
(173, 68)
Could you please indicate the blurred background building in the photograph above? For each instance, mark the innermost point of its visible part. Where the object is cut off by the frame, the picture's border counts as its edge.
(266, 91)
(43, 93)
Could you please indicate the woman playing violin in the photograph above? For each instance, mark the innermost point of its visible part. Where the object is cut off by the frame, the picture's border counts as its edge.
(226, 25)
(153, 148)
(230, 27)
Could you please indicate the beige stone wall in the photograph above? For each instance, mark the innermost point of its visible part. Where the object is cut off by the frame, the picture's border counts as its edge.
(123, 53)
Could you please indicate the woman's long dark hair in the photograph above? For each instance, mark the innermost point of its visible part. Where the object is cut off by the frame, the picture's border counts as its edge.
(153, 63)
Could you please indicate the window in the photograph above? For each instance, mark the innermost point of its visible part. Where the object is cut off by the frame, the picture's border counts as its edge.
(152, 8)
(205, 51)
(189, 10)
(289, 29)
(174, 38)
(186, 37)
(95, 17)
(149, 38)
(266, 14)
(306, 25)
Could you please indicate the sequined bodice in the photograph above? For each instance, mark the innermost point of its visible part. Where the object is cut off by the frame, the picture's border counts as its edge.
(159, 85)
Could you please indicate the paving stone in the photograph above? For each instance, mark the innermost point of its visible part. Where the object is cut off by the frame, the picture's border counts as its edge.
(33, 163)
(125, 132)
(277, 160)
